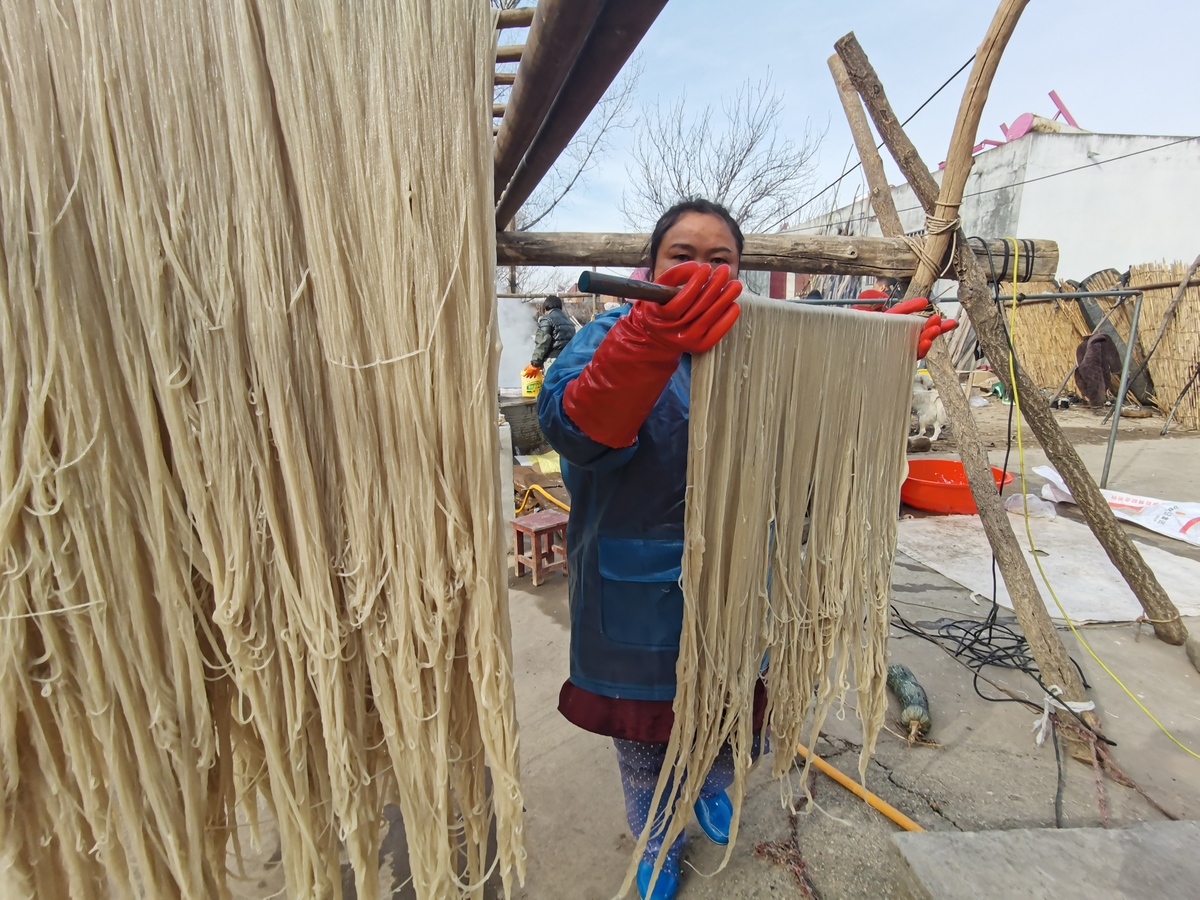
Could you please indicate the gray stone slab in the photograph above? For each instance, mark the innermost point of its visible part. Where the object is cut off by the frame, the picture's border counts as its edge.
(1155, 859)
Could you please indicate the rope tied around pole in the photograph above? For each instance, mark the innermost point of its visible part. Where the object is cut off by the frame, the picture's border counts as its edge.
(936, 225)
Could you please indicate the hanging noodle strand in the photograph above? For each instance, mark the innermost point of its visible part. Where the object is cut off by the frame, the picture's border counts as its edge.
(249, 507)
(798, 417)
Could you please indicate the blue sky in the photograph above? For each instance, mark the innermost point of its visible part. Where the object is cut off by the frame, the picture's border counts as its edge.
(1118, 66)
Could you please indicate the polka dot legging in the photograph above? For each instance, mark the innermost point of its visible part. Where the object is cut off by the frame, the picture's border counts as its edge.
(640, 764)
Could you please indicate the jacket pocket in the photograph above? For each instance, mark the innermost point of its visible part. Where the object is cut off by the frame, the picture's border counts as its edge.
(641, 603)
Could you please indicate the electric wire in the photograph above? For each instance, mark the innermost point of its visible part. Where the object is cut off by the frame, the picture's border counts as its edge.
(1033, 549)
(990, 642)
(846, 172)
(1007, 185)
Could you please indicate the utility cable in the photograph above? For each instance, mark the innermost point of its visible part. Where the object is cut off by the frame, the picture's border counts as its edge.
(546, 494)
(1009, 185)
(979, 643)
(1033, 549)
(846, 172)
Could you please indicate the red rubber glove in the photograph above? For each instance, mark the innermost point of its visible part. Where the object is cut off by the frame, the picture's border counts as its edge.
(934, 325)
(531, 371)
(616, 390)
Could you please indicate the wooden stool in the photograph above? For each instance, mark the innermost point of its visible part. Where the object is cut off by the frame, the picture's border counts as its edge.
(542, 527)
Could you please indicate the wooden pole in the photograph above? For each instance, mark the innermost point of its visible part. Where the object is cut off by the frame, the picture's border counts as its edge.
(941, 224)
(1159, 285)
(990, 330)
(786, 252)
(515, 18)
(612, 39)
(881, 193)
(867, 83)
(509, 53)
(859, 791)
(1044, 642)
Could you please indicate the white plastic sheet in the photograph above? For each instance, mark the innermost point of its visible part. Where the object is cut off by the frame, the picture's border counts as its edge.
(1089, 587)
(1174, 519)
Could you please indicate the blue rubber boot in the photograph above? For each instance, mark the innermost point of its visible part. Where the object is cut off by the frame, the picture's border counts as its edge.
(715, 816)
(664, 888)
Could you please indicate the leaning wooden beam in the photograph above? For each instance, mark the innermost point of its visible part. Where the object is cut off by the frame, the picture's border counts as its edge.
(869, 88)
(864, 141)
(814, 254)
(942, 223)
(1047, 647)
(505, 78)
(989, 326)
(556, 34)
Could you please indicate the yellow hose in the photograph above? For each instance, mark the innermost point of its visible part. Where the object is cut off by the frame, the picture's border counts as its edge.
(855, 788)
(541, 490)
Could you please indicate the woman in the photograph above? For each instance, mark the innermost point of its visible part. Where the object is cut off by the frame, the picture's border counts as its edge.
(615, 407)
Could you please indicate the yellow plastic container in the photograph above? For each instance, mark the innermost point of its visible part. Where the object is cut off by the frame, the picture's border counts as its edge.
(530, 387)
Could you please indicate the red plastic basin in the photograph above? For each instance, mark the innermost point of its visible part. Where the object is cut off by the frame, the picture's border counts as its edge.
(940, 485)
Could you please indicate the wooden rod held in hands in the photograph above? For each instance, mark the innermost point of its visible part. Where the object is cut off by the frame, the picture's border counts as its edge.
(629, 288)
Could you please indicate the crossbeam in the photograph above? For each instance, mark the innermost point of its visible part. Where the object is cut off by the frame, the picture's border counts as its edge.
(811, 254)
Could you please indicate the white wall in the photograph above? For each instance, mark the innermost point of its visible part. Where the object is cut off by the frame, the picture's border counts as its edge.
(518, 322)
(1112, 214)
(985, 211)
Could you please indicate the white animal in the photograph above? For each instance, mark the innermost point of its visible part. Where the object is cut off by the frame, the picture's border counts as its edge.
(928, 406)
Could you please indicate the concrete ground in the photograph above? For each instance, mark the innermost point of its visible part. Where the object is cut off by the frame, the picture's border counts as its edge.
(1151, 859)
(985, 772)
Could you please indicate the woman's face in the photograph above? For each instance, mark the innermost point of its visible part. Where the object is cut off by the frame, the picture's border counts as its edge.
(699, 236)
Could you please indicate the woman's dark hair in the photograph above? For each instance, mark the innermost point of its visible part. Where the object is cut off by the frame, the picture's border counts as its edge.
(693, 205)
(552, 302)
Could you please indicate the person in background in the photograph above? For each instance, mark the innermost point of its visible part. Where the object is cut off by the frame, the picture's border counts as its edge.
(615, 407)
(555, 330)
(883, 290)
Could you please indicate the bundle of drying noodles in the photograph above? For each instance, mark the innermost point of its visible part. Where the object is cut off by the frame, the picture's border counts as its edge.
(249, 515)
(798, 424)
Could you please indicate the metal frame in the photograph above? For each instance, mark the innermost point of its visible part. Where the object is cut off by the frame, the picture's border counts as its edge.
(1125, 364)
